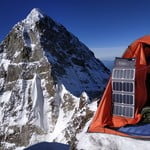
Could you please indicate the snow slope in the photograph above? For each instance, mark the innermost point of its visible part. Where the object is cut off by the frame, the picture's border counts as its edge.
(99, 141)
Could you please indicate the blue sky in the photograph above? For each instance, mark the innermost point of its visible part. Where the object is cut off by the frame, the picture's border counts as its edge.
(105, 26)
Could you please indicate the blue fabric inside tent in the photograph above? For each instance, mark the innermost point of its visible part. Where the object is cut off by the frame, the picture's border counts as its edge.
(136, 130)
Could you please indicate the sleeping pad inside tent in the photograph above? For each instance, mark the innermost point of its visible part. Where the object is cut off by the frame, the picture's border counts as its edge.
(124, 108)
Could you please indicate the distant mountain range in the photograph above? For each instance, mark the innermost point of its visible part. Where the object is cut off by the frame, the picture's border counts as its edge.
(109, 64)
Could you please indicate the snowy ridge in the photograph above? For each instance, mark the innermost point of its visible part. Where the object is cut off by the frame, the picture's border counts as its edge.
(64, 116)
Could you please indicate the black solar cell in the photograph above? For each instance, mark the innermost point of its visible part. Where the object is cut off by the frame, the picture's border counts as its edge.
(125, 111)
(123, 86)
(123, 98)
(123, 74)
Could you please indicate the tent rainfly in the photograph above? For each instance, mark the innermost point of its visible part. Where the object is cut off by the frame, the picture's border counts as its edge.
(124, 107)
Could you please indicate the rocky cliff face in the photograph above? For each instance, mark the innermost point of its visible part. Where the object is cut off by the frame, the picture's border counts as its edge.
(46, 78)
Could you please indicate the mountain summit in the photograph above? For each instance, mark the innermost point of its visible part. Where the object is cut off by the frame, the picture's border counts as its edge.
(34, 16)
(46, 78)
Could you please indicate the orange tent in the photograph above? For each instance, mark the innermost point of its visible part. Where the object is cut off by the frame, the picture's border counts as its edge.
(104, 121)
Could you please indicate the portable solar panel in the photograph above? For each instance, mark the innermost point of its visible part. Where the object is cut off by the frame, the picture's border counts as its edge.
(123, 87)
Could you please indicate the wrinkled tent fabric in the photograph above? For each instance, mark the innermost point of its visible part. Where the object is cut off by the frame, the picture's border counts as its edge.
(103, 117)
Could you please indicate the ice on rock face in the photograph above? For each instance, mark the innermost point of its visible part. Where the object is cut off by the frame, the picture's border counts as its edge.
(38, 101)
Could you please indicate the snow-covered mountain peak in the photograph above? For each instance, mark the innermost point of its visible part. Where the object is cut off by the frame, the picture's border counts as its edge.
(35, 15)
(47, 77)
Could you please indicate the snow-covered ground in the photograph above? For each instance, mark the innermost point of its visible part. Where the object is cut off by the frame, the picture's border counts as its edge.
(102, 141)
(99, 141)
